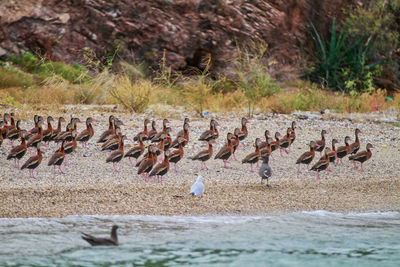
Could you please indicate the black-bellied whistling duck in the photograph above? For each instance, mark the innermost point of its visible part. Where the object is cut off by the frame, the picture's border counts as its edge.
(71, 146)
(161, 168)
(168, 139)
(145, 131)
(354, 147)
(182, 133)
(332, 154)
(33, 161)
(104, 136)
(226, 151)
(48, 133)
(113, 142)
(286, 141)
(264, 144)
(322, 164)
(57, 159)
(212, 133)
(205, 155)
(12, 121)
(177, 155)
(153, 131)
(118, 154)
(293, 133)
(267, 150)
(321, 143)
(67, 134)
(147, 163)
(1, 132)
(235, 142)
(14, 133)
(86, 134)
(343, 151)
(306, 157)
(58, 130)
(96, 241)
(37, 138)
(156, 138)
(255, 156)
(136, 151)
(275, 144)
(160, 148)
(19, 151)
(6, 126)
(35, 129)
(243, 132)
(362, 156)
(61, 136)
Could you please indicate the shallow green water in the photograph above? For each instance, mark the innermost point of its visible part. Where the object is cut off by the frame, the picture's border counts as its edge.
(298, 239)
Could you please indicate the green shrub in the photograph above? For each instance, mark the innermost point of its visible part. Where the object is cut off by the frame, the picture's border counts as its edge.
(74, 73)
(341, 63)
(252, 75)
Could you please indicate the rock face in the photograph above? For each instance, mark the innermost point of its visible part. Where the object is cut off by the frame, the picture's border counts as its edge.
(185, 31)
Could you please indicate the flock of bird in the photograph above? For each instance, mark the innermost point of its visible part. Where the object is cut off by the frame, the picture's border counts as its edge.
(161, 146)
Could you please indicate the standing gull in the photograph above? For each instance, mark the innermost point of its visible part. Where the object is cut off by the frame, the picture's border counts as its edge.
(96, 241)
(198, 187)
(265, 170)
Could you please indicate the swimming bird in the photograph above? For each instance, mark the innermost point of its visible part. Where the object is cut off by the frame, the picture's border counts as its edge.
(96, 241)
(197, 188)
(265, 170)
(362, 156)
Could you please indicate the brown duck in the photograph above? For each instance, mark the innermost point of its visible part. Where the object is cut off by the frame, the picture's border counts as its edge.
(362, 156)
(205, 155)
(255, 156)
(227, 150)
(306, 157)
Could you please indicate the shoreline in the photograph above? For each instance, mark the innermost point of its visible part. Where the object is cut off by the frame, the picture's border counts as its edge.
(123, 199)
(91, 187)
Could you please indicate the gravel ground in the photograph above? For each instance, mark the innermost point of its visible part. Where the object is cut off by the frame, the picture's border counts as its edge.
(91, 187)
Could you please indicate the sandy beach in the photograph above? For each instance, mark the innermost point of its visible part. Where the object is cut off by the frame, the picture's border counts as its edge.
(91, 187)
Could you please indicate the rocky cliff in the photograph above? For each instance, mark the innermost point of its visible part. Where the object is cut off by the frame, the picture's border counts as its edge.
(185, 30)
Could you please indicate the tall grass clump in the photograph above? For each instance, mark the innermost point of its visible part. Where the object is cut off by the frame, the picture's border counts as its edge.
(134, 96)
(252, 75)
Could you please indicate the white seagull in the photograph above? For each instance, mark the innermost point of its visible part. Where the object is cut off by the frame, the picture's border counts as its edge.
(198, 187)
